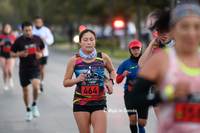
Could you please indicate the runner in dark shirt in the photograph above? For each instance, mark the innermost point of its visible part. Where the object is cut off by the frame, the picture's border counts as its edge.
(29, 49)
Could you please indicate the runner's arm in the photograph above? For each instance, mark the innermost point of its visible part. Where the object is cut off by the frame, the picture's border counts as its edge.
(14, 50)
(120, 71)
(68, 81)
(149, 75)
(119, 78)
(109, 66)
(148, 53)
(13, 54)
(49, 37)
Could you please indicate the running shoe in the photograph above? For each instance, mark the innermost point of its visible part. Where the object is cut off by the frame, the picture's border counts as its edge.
(35, 111)
(5, 87)
(29, 116)
(141, 129)
(11, 83)
(40, 90)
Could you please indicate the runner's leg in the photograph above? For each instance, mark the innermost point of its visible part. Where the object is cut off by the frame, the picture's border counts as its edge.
(99, 121)
(83, 120)
(133, 122)
(42, 70)
(142, 123)
(11, 62)
(26, 95)
(35, 85)
(4, 68)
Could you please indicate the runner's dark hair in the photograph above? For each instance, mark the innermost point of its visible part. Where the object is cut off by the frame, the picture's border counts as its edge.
(162, 24)
(26, 23)
(85, 31)
(37, 17)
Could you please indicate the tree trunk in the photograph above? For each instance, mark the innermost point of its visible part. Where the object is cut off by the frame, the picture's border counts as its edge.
(138, 21)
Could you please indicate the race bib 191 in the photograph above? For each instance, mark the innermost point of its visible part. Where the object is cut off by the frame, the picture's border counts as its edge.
(90, 90)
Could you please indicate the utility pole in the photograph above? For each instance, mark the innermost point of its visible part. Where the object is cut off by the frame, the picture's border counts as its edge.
(39, 8)
(78, 13)
(112, 31)
(172, 4)
(138, 27)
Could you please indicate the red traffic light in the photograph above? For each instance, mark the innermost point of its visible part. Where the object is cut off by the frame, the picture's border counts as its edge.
(118, 24)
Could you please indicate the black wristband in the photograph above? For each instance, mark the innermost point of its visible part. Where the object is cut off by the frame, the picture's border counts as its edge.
(112, 81)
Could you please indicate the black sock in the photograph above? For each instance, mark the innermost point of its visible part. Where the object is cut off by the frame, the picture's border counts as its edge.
(28, 109)
(34, 103)
(133, 128)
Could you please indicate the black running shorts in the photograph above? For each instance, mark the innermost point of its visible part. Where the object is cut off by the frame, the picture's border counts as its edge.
(27, 76)
(43, 60)
(142, 113)
(90, 109)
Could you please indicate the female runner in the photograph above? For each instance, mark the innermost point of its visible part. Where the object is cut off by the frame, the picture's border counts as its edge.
(177, 75)
(7, 63)
(129, 69)
(89, 103)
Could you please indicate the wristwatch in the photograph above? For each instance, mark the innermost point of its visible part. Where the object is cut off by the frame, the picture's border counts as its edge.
(112, 81)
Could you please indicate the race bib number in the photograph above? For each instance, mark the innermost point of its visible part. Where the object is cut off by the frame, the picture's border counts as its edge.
(6, 49)
(90, 90)
(131, 84)
(32, 49)
(188, 111)
(130, 87)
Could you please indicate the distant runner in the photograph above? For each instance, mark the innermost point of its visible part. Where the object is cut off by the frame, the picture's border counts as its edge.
(129, 69)
(29, 48)
(7, 63)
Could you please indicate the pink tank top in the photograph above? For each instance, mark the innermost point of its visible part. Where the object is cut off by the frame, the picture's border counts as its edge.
(168, 122)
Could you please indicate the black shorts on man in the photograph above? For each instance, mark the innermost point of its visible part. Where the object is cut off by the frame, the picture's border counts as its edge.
(43, 60)
(27, 76)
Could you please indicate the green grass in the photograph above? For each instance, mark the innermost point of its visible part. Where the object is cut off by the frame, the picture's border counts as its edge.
(118, 54)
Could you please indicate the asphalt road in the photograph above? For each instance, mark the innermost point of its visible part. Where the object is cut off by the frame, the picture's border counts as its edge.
(55, 104)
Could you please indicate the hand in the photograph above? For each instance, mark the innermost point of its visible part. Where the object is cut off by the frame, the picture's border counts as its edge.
(12, 42)
(155, 41)
(2, 43)
(82, 77)
(43, 39)
(38, 55)
(23, 53)
(108, 87)
(181, 90)
(125, 73)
